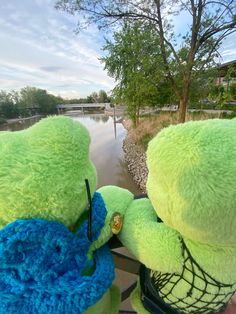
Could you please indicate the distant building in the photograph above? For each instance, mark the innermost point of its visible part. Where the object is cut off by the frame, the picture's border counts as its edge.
(223, 68)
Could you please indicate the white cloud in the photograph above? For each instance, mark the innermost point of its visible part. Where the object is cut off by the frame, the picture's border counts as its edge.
(39, 48)
(228, 48)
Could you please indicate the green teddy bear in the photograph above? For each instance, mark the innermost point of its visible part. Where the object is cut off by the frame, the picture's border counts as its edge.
(185, 233)
(44, 266)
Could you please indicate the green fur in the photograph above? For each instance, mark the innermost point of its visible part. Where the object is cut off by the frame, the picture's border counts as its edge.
(109, 304)
(42, 175)
(192, 179)
(155, 245)
(42, 171)
(116, 200)
(136, 300)
(191, 187)
(191, 184)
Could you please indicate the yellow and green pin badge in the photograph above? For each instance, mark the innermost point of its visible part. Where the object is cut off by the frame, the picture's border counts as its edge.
(116, 223)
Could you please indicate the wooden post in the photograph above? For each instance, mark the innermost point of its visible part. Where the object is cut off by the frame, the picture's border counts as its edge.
(114, 118)
(114, 113)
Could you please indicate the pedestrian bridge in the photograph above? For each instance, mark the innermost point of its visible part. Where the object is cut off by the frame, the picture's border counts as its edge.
(64, 107)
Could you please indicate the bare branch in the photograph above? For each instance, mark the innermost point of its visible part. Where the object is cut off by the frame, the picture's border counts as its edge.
(173, 51)
(214, 49)
(226, 5)
(163, 49)
(120, 15)
(186, 7)
(196, 24)
(209, 34)
(227, 8)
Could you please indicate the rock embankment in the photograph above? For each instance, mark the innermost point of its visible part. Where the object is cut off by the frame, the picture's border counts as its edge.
(135, 158)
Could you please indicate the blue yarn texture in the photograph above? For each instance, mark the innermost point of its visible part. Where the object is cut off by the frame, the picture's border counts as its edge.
(42, 264)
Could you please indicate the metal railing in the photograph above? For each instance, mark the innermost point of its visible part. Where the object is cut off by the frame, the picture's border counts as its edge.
(127, 264)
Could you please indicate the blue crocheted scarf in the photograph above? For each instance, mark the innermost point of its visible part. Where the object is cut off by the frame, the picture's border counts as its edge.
(42, 263)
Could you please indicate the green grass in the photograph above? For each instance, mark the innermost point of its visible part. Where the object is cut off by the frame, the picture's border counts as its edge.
(150, 125)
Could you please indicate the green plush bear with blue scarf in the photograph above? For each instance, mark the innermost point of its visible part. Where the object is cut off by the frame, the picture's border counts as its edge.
(185, 233)
(47, 261)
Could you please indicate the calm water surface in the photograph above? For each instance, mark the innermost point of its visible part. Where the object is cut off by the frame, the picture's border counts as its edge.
(105, 151)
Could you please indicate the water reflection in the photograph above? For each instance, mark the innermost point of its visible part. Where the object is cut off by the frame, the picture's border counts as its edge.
(99, 117)
(106, 151)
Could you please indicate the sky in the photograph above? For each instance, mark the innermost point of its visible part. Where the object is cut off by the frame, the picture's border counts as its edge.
(38, 47)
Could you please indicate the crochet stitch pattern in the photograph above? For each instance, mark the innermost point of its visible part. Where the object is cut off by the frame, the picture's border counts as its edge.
(41, 266)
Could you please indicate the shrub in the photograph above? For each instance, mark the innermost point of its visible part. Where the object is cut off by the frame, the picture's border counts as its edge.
(2, 120)
(144, 140)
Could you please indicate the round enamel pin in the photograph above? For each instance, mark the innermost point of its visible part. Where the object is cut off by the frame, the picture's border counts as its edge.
(116, 223)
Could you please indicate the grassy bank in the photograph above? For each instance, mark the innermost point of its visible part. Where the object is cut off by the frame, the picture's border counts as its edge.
(150, 125)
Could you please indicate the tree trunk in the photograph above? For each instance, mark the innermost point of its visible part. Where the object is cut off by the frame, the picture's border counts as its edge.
(183, 100)
(182, 109)
(138, 114)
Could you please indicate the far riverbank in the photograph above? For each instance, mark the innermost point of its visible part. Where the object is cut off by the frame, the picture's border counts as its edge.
(10, 121)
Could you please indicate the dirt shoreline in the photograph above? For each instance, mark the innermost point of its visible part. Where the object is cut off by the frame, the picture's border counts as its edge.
(135, 158)
(10, 121)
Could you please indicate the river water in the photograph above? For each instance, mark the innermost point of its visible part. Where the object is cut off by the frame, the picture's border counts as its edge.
(105, 151)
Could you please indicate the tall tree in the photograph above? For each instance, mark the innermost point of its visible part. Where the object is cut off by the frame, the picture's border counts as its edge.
(36, 98)
(9, 102)
(94, 97)
(134, 60)
(211, 22)
(102, 97)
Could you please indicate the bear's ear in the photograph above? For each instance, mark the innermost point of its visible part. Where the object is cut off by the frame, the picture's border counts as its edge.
(42, 171)
(192, 178)
(58, 132)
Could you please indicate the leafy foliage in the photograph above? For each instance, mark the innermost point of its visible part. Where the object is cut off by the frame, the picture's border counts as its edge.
(134, 60)
(100, 97)
(38, 99)
(31, 100)
(8, 104)
(232, 89)
(210, 22)
(223, 94)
